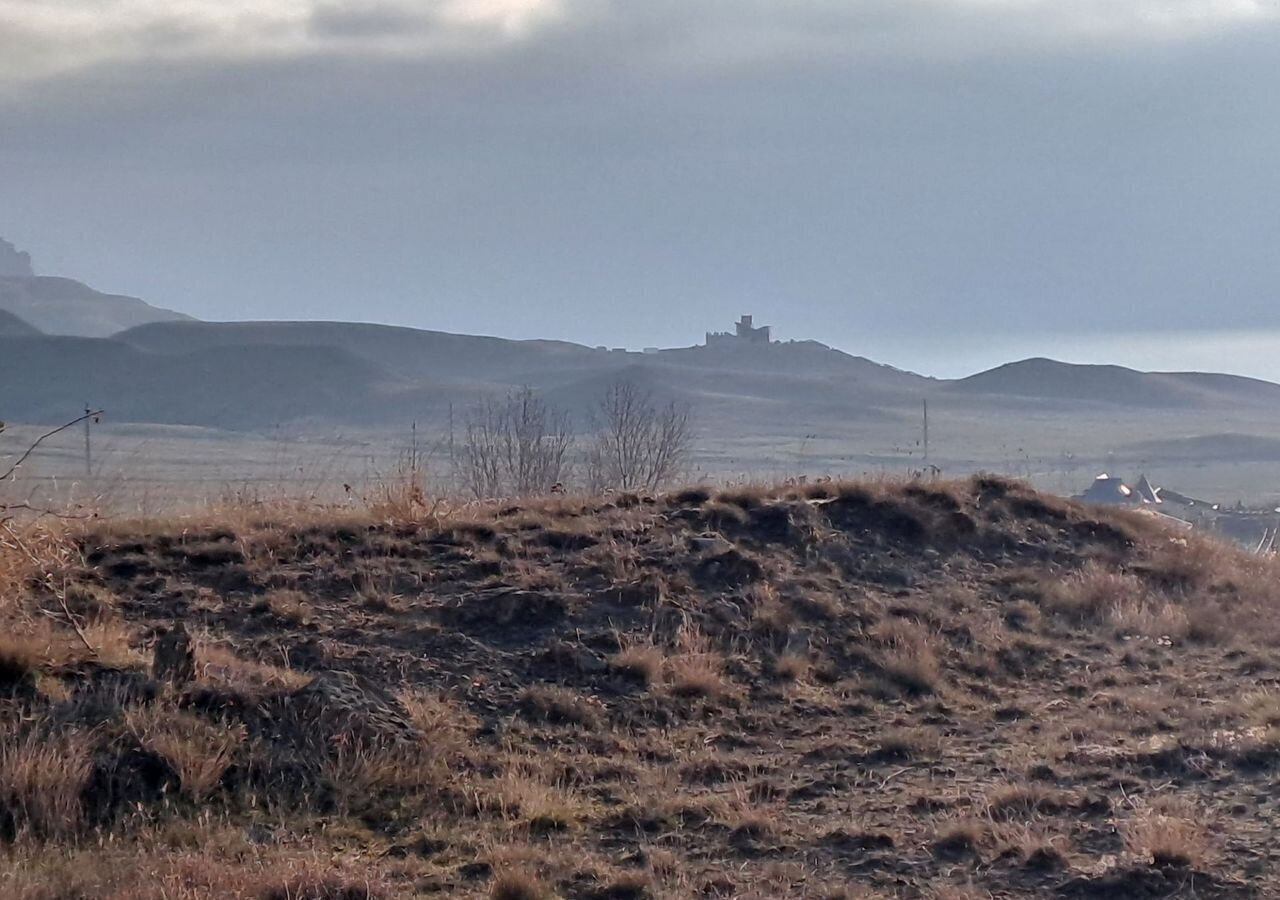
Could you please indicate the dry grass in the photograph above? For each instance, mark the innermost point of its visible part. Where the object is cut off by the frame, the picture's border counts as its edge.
(361, 773)
(519, 884)
(218, 664)
(42, 777)
(769, 615)
(524, 797)
(909, 744)
(792, 666)
(934, 731)
(641, 660)
(115, 644)
(1092, 595)
(21, 657)
(219, 866)
(961, 838)
(555, 705)
(288, 605)
(444, 725)
(907, 658)
(198, 751)
(1169, 833)
(696, 668)
(1152, 618)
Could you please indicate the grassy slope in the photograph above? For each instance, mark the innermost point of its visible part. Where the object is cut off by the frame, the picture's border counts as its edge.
(877, 690)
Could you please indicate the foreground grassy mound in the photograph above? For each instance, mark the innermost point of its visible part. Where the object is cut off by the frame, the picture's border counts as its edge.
(853, 690)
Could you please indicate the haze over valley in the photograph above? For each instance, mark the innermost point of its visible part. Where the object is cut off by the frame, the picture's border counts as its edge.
(342, 399)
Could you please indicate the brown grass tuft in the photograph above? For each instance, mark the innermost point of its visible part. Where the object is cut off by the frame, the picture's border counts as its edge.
(1169, 833)
(639, 660)
(697, 668)
(557, 705)
(519, 884)
(907, 658)
(199, 752)
(42, 777)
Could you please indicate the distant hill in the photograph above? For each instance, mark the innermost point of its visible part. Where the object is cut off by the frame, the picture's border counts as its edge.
(412, 352)
(12, 326)
(408, 352)
(248, 374)
(67, 307)
(46, 379)
(14, 262)
(243, 375)
(1052, 381)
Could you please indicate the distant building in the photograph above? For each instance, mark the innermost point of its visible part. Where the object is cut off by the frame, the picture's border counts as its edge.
(1110, 491)
(745, 332)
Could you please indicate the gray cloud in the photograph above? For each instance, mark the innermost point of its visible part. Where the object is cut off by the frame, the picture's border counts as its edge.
(342, 20)
(638, 172)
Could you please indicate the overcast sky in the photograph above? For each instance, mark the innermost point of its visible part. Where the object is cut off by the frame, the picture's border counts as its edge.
(940, 183)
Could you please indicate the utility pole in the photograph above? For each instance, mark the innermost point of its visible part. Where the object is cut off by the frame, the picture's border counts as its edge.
(88, 446)
(453, 459)
(926, 432)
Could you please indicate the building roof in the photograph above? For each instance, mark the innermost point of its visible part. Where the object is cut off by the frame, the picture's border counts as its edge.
(1146, 491)
(1106, 489)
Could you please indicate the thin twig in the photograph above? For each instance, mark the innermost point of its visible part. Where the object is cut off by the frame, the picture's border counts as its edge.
(42, 511)
(44, 437)
(84, 639)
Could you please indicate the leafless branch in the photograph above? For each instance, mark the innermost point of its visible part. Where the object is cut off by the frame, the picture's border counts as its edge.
(639, 444)
(44, 437)
(519, 447)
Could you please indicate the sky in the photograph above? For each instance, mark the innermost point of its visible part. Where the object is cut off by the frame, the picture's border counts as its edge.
(939, 184)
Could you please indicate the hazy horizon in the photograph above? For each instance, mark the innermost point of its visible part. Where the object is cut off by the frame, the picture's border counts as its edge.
(1247, 353)
(942, 184)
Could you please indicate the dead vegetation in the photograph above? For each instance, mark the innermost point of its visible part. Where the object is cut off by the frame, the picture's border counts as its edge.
(864, 690)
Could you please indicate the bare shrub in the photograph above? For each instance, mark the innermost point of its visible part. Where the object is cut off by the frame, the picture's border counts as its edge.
(519, 446)
(640, 444)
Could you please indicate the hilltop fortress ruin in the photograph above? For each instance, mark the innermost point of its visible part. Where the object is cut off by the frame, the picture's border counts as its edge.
(745, 332)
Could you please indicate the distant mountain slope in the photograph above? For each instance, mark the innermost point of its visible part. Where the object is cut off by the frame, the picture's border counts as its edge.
(414, 353)
(66, 307)
(12, 326)
(408, 352)
(804, 358)
(47, 379)
(1049, 380)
